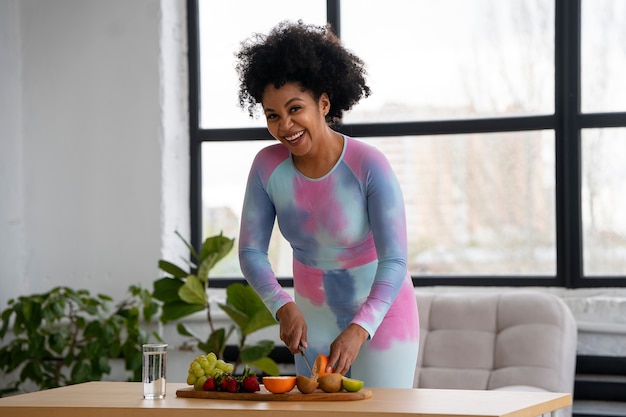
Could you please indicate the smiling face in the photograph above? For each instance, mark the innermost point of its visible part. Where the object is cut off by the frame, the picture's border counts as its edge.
(295, 118)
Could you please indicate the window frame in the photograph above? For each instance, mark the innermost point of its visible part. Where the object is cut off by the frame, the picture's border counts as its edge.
(567, 122)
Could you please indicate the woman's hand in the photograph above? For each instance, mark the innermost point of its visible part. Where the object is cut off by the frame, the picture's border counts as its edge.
(292, 327)
(345, 348)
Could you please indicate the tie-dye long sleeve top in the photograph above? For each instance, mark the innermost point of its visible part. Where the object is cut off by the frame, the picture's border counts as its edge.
(351, 216)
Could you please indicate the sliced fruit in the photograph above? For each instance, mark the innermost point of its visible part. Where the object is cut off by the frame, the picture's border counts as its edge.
(330, 382)
(279, 384)
(352, 384)
(319, 367)
(306, 385)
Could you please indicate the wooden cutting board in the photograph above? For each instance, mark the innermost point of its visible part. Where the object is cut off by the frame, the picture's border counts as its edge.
(264, 395)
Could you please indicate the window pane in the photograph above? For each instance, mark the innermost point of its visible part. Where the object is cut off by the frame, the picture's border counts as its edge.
(604, 201)
(478, 204)
(452, 59)
(225, 167)
(223, 25)
(603, 55)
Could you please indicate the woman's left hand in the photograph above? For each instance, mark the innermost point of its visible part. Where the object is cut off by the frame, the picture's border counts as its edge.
(345, 348)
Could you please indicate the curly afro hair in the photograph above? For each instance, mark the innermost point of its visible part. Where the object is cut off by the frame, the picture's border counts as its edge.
(306, 54)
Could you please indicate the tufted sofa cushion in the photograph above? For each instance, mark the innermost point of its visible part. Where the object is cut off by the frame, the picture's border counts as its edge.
(513, 340)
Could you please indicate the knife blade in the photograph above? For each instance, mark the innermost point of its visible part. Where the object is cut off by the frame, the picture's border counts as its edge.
(306, 361)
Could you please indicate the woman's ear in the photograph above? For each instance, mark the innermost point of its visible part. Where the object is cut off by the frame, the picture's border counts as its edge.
(324, 103)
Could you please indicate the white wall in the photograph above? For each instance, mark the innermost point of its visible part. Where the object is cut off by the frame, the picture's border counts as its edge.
(94, 142)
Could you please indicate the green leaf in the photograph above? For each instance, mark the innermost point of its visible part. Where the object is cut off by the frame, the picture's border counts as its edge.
(246, 308)
(105, 298)
(193, 292)
(81, 372)
(150, 309)
(174, 270)
(115, 349)
(6, 320)
(56, 342)
(58, 309)
(260, 320)
(184, 331)
(178, 309)
(166, 289)
(217, 247)
(31, 371)
(239, 317)
(266, 365)
(193, 252)
(205, 266)
(132, 361)
(99, 366)
(251, 353)
(243, 298)
(27, 307)
(215, 343)
(214, 249)
(94, 329)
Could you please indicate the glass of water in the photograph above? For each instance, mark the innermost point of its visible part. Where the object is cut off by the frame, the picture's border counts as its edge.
(153, 370)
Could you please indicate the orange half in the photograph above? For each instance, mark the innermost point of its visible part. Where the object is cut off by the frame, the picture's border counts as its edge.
(279, 384)
(319, 367)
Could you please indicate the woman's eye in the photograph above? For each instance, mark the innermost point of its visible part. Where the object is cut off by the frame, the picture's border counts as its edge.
(270, 116)
(294, 109)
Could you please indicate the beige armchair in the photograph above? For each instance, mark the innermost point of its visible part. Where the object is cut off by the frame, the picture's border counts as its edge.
(515, 341)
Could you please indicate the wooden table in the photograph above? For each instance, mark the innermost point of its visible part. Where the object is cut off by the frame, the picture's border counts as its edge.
(113, 399)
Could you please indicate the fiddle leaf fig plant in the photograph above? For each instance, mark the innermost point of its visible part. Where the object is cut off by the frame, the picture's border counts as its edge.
(185, 292)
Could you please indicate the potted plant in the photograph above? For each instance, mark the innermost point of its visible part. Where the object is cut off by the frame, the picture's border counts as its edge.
(66, 336)
(185, 292)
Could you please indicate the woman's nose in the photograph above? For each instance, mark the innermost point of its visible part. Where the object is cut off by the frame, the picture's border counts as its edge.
(286, 123)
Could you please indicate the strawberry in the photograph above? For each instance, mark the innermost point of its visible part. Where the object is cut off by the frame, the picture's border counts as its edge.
(210, 385)
(250, 384)
(229, 383)
(232, 385)
(224, 383)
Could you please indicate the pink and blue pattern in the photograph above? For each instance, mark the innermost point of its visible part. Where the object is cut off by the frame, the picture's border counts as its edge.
(348, 234)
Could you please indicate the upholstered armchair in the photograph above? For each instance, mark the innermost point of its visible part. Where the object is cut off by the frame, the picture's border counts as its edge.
(496, 341)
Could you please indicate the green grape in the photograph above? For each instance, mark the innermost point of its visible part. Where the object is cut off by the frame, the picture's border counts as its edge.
(207, 366)
(212, 359)
(204, 367)
(225, 366)
(200, 383)
(191, 379)
(204, 363)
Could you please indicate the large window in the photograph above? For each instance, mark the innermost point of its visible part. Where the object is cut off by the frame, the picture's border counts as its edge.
(505, 121)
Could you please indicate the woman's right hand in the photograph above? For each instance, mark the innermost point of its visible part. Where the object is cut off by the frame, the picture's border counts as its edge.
(292, 327)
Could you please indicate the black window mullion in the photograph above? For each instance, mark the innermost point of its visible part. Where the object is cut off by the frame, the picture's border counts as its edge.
(226, 134)
(603, 120)
(333, 15)
(568, 147)
(442, 127)
(195, 141)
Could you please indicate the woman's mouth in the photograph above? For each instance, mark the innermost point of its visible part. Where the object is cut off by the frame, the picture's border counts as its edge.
(294, 137)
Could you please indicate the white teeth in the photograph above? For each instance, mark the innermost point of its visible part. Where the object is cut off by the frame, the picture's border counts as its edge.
(294, 136)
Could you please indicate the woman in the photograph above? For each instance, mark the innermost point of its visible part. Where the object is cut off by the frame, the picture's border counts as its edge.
(337, 202)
